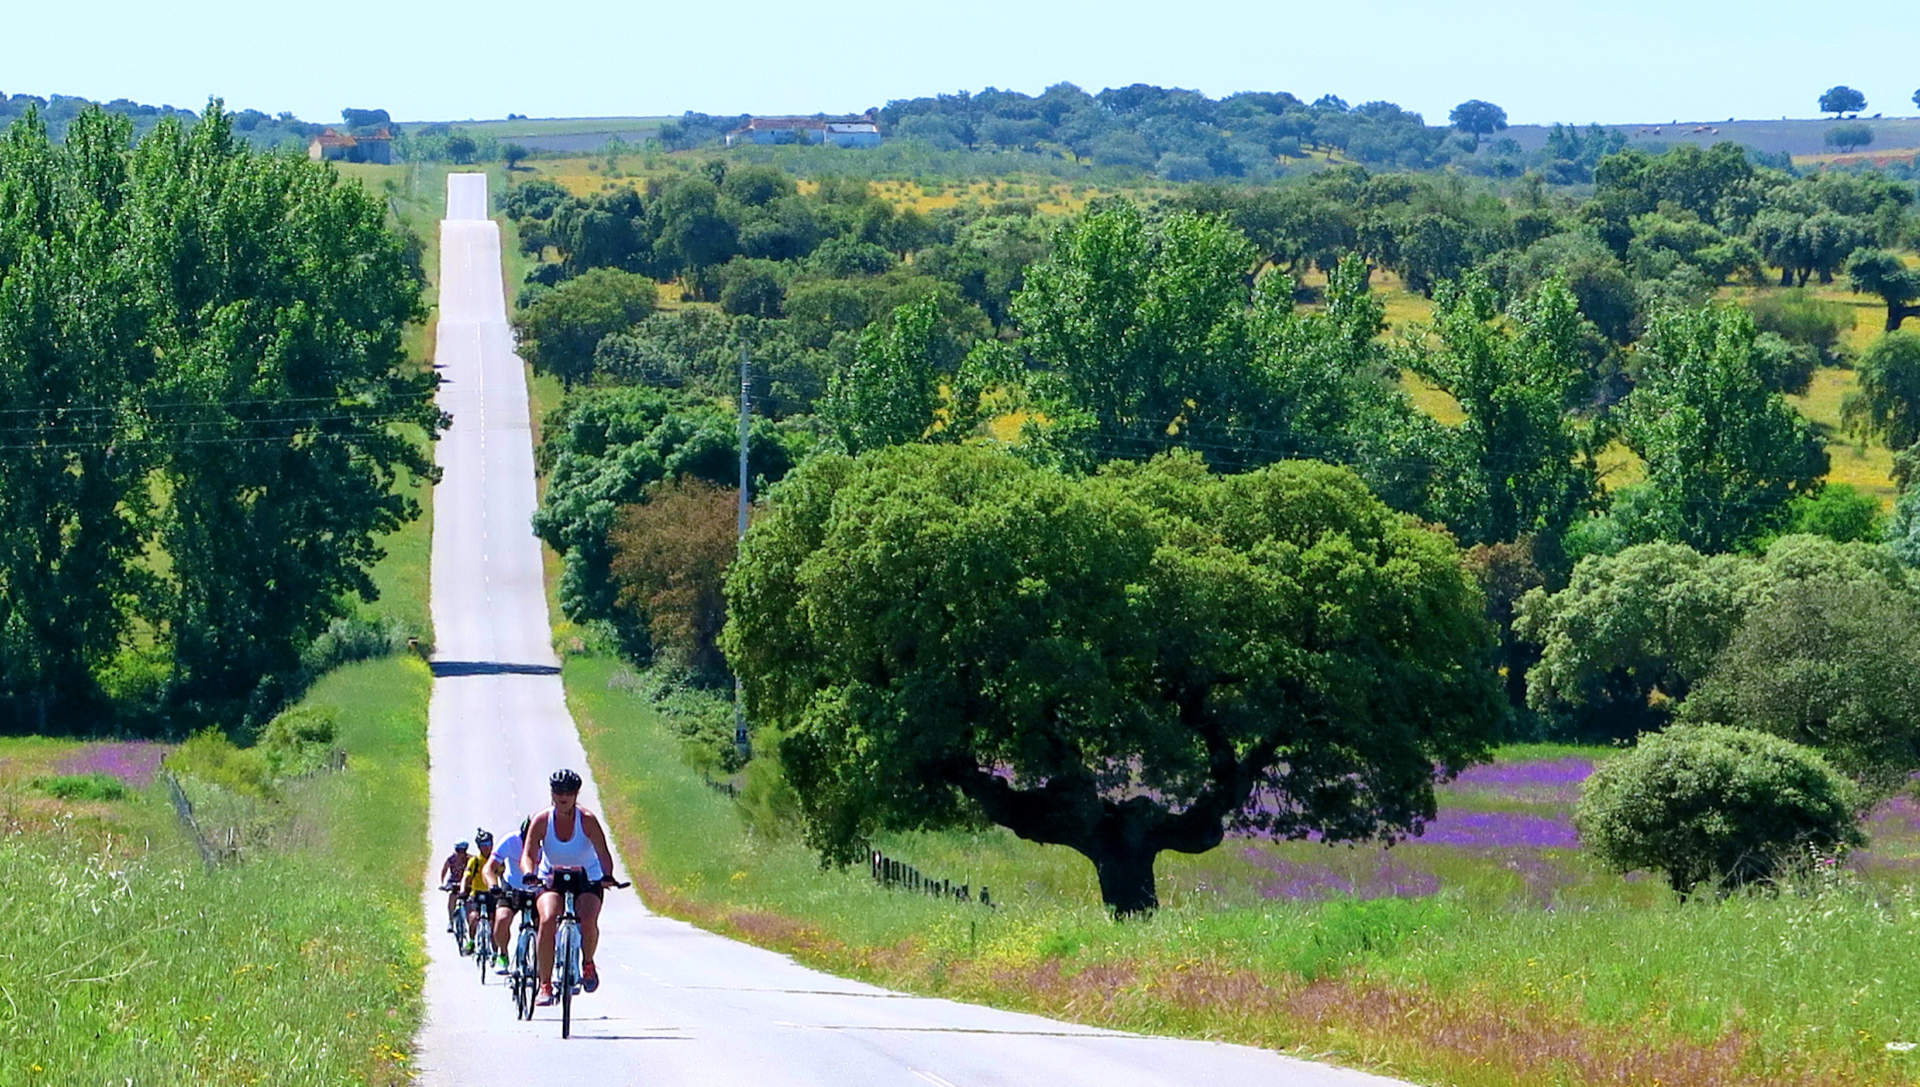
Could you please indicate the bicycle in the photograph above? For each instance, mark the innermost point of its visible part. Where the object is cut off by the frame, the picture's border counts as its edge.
(457, 920)
(566, 944)
(483, 938)
(525, 977)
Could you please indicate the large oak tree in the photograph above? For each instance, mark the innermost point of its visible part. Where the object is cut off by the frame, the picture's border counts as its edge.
(1124, 664)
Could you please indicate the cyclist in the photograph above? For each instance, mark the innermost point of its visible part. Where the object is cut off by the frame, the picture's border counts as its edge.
(473, 882)
(505, 877)
(567, 835)
(451, 870)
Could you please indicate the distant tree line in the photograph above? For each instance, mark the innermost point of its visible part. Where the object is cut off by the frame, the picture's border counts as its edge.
(57, 112)
(1183, 135)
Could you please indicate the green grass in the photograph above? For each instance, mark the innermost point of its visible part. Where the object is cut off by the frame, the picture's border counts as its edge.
(1474, 985)
(81, 787)
(129, 961)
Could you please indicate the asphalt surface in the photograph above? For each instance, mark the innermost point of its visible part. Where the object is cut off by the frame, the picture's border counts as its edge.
(677, 1005)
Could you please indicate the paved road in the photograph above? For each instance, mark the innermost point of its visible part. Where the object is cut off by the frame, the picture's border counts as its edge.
(679, 1005)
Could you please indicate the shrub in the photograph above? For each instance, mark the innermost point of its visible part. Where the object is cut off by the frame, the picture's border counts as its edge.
(1838, 512)
(354, 638)
(94, 786)
(768, 799)
(1828, 663)
(1800, 318)
(216, 760)
(701, 719)
(298, 741)
(1718, 805)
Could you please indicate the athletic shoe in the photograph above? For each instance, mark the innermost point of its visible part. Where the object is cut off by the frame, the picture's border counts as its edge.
(589, 977)
(546, 997)
(500, 965)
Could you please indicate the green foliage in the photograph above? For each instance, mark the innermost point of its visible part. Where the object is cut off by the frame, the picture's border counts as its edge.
(1878, 272)
(1140, 329)
(604, 449)
(208, 344)
(922, 620)
(1829, 664)
(1579, 259)
(1515, 380)
(1147, 338)
(890, 394)
(752, 288)
(1800, 318)
(1849, 136)
(216, 760)
(91, 787)
(1839, 512)
(1710, 804)
(1634, 632)
(1888, 401)
(1648, 620)
(1842, 99)
(1480, 118)
(1724, 455)
(356, 638)
(559, 331)
(299, 741)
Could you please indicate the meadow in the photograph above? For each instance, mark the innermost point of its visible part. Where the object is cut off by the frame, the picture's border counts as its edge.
(130, 960)
(1489, 952)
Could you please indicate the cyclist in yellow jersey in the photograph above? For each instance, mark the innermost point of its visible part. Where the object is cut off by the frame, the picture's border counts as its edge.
(473, 882)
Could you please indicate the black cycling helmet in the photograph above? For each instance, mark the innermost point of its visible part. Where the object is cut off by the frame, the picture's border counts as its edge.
(564, 781)
(525, 822)
(482, 839)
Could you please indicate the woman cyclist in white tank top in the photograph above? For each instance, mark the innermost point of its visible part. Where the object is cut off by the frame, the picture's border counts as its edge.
(567, 836)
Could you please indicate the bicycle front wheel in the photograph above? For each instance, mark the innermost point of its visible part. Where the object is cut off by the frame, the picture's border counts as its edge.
(564, 955)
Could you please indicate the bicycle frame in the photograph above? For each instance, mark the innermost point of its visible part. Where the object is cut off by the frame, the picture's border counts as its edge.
(526, 981)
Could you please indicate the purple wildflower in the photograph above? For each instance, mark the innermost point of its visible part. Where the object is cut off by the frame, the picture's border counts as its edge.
(1499, 830)
(134, 762)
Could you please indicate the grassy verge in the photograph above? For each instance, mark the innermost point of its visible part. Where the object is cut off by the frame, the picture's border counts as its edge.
(299, 965)
(1606, 981)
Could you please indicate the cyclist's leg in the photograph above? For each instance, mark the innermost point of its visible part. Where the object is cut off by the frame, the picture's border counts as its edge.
(549, 907)
(502, 922)
(587, 905)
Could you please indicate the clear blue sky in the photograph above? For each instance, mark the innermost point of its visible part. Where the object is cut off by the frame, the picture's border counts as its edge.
(1544, 60)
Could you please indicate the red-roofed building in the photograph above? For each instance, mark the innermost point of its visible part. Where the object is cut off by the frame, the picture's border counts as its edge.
(332, 145)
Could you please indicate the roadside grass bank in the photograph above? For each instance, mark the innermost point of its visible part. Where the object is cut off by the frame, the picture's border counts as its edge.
(129, 960)
(1496, 956)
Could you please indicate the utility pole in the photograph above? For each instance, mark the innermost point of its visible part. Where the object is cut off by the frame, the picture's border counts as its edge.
(740, 741)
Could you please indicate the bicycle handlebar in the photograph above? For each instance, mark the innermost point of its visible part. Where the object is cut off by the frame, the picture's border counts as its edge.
(605, 881)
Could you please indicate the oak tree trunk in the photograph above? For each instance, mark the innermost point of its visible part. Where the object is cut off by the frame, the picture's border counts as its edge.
(1126, 880)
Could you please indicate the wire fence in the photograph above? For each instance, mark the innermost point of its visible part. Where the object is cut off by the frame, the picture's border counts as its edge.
(899, 875)
(249, 821)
